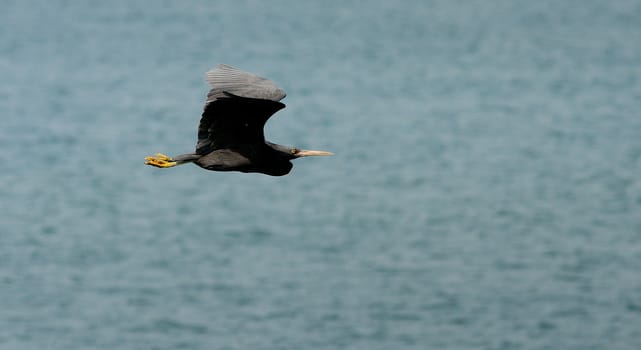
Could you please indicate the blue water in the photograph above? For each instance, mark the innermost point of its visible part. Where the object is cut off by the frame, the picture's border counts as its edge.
(485, 192)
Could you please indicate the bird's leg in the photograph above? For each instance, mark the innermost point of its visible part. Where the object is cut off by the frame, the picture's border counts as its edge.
(160, 161)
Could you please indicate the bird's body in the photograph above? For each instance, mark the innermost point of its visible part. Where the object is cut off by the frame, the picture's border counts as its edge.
(230, 133)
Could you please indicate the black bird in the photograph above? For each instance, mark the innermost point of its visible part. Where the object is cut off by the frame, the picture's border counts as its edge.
(230, 134)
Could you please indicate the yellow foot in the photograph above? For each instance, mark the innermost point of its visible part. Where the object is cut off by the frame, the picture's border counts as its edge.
(160, 161)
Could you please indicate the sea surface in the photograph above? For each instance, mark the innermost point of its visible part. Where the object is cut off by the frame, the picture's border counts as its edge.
(485, 191)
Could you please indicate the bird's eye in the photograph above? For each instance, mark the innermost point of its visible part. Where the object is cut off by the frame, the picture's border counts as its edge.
(293, 151)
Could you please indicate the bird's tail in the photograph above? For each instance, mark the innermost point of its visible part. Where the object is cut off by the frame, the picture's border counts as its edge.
(160, 160)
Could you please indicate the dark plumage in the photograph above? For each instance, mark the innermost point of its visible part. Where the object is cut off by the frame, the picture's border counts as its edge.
(230, 133)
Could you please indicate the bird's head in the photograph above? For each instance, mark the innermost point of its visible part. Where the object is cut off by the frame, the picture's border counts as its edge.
(297, 153)
(293, 153)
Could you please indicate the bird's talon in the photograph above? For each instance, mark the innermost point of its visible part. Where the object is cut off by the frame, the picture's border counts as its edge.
(160, 161)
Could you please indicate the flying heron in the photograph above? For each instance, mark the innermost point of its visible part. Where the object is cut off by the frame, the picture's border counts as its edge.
(230, 134)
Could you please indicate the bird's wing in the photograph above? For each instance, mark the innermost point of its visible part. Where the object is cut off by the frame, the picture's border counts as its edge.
(237, 107)
(224, 78)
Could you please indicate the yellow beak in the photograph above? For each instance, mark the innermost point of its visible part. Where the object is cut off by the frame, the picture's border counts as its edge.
(310, 153)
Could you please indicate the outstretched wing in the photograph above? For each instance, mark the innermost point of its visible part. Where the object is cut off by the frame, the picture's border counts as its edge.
(224, 78)
(237, 107)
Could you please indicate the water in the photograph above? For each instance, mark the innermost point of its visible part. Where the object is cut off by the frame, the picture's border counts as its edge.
(485, 191)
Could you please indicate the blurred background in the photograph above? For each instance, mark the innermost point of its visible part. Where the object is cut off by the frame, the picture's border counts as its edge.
(484, 193)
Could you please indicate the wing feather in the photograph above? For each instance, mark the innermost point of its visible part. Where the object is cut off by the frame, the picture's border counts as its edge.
(224, 78)
(237, 107)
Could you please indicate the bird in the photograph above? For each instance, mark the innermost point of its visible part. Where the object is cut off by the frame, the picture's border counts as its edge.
(231, 129)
